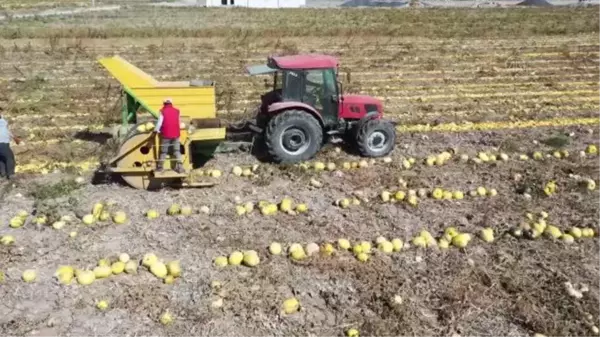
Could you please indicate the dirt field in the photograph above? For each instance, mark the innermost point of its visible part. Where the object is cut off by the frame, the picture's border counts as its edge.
(487, 66)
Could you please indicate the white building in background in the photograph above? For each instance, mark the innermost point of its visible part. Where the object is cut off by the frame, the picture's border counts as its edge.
(257, 3)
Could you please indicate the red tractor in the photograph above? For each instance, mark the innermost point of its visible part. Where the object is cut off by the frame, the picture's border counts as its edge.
(306, 107)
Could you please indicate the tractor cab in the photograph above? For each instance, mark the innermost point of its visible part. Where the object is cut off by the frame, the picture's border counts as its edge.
(312, 80)
(316, 87)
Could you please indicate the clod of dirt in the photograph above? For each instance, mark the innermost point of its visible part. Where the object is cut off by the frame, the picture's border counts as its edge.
(316, 183)
(217, 303)
(572, 291)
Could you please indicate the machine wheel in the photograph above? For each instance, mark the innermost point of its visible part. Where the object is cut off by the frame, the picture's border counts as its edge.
(375, 138)
(293, 136)
(135, 158)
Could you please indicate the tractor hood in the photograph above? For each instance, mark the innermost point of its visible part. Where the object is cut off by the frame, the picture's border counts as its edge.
(358, 106)
(361, 99)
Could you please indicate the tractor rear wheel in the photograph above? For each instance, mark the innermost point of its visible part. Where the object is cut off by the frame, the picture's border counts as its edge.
(375, 138)
(293, 136)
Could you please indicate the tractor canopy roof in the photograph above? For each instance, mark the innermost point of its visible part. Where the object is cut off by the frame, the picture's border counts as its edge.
(306, 61)
(294, 62)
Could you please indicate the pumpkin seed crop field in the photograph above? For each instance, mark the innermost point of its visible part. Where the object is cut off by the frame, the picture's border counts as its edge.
(482, 221)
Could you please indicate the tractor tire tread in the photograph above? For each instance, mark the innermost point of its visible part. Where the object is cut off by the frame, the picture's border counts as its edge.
(365, 129)
(292, 117)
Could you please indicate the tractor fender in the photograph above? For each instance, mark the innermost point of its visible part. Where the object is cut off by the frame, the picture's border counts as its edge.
(370, 115)
(275, 108)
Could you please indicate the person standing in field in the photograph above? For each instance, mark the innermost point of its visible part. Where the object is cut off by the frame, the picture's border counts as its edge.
(7, 157)
(168, 128)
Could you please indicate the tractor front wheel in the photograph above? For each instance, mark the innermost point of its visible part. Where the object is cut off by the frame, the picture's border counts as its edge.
(293, 136)
(376, 138)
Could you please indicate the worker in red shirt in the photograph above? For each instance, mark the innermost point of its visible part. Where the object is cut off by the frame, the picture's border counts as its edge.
(168, 128)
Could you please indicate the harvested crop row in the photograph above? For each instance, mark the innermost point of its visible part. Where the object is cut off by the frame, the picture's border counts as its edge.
(239, 77)
(74, 83)
(359, 45)
(583, 93)
(391, 96)
(38, 166)
(512, 107)
(45, 167)
(500, 125)
(390, 86)
(398, 112)
(21, 110)
(431, 67)
(350, 61)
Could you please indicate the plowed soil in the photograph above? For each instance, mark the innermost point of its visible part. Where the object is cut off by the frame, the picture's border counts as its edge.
(509, 287)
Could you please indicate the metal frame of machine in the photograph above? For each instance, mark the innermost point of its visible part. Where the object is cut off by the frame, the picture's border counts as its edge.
(201, 131)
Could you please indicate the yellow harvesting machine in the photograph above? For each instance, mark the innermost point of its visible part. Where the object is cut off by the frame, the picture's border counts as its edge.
(201, 130)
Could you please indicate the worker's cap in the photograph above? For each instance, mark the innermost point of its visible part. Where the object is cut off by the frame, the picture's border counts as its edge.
(167, 101)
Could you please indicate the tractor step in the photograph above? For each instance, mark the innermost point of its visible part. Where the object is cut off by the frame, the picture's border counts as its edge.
(243, 130)
(128, 169)
(335, 140)
(199, 184)
(168, 174)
